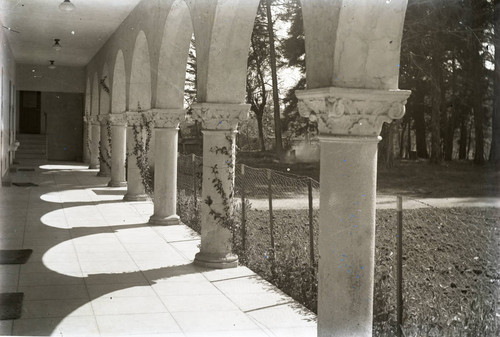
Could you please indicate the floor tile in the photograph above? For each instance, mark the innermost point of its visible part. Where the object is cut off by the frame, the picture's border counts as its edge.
(157, 323)
(69, 326)
(120, 290)
(109, 305)
(59, 292)
(175, 303)
(209, 321)
(56, 308)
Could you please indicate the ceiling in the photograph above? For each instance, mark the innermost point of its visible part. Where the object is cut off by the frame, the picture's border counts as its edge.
(82, 32)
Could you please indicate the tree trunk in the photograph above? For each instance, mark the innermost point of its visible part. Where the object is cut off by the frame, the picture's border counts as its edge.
(276, 100)
(436, 74)
(462, 151)
(408, 141)
(389, 154)
(495, 137)
(420, 131)
(402, 141)
(261, 131)
(448, 139)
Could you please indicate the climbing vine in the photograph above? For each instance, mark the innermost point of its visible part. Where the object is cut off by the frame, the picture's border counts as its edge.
(105, 157)
(224, 218)
(143, 132)
(104, 86)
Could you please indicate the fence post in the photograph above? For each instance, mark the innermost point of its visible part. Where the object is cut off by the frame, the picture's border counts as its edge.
(311, 225)
(243, 211)
(399, 288)
(271, 220)
(195, 186)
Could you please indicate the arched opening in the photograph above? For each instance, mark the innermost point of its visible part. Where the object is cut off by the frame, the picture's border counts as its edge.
(173, 57)
(118, 98)
(223, 37)
(140, 76)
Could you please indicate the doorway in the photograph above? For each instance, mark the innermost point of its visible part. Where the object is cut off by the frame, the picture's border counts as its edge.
(30, 112)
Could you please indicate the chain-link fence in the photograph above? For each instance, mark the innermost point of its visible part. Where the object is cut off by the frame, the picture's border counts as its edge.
(450, 256)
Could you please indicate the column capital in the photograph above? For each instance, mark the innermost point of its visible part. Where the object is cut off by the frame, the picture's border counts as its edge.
(118, 119)
(93, 120)
(220, 116)
(351, 111)
(135, 117)
(168, 118)
(103, 119)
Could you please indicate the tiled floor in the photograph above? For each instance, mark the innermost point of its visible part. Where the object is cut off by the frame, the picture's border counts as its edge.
(98, 269)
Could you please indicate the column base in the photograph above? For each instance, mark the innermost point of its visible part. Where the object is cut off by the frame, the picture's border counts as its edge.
(93, 166)
(171, 220)
(117, 184)
(103, 174)
(135, 197)
(216, 261)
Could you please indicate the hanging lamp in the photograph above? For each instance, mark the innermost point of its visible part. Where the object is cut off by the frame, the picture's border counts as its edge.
(56, 45)
(52, 65)
(66, 6)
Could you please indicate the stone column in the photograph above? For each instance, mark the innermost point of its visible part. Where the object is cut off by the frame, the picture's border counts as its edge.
(86, 139)
(135, 188)
(104, 160)
(219, 122)
(118, 151)
(166, 140)
(95, 135)
(349, 122)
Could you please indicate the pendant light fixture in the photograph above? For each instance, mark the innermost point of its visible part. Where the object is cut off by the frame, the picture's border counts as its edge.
(52, 65)
(66, 6)
(56, 45)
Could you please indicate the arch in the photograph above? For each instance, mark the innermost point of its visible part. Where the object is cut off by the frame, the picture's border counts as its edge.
(95, 96)
(118, 98)
(88, 97)
(105, 101)
(223, 30)
(174, 50)
(140, 75)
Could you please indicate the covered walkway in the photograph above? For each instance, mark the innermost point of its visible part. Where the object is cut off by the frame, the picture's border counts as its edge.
(99, 268)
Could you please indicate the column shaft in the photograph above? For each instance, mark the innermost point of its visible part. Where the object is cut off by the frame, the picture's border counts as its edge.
(135, 188)
(217, 197)
(118, 155)
(105, 161)
(95, 135)
(347, 235)
(165, 201)
(86, 141)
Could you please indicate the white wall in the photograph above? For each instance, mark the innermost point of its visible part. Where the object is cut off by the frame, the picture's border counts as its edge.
(41, 78)
(7, 111)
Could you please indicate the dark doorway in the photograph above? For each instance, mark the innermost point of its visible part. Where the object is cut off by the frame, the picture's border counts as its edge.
(29, 112)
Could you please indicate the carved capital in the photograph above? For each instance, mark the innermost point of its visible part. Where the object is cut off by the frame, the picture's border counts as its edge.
(103, 119)
(168, 118)
(118, 119)
(134, 118)
(94, 120)
(220, 116)
(349, 111)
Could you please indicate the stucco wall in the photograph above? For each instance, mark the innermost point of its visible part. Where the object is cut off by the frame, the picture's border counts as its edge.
(7, 85)
(41, 78)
